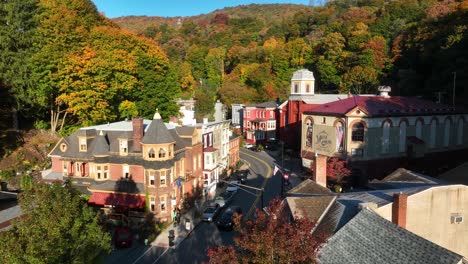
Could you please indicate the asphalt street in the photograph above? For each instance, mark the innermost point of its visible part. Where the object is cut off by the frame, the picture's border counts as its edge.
(206, 235)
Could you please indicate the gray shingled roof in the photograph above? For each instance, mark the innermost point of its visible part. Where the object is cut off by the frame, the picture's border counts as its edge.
(101, 145)
(369, 238)
(271, 104)
(402, 178)
(157, 133)
(185, 130)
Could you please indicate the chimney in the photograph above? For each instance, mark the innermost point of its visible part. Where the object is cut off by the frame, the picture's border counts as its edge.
(137, 124)
(384, 90)
(320, 170)
(399, 209)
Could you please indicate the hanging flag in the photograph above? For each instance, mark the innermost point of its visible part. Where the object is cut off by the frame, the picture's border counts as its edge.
(276, 170)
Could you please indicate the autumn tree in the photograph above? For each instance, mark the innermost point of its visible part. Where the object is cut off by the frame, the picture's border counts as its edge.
(337, 170)
(56, 227)
(271, 238)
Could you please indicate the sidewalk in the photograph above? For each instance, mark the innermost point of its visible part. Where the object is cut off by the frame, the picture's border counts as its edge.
(188, 223)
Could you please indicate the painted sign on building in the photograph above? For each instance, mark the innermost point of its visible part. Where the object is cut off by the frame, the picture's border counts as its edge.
(324, 140)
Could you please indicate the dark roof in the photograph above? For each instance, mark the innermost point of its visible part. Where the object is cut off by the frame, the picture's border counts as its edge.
(180, 143)
(369, 238)
(271, 104)
(101, 145)
(384, 106)
(157, 133)
(403, 178)
(86, 133)
(185, 130)
(308, 187)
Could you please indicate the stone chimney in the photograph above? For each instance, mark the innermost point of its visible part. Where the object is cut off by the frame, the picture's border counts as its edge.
(384, 90)
(137, 124)
(320, 170)
(400, 201)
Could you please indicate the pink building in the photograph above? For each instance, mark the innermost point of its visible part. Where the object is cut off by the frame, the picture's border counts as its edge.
(259, 122)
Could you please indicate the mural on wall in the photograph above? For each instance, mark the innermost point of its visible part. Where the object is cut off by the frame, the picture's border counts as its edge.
(324, 140)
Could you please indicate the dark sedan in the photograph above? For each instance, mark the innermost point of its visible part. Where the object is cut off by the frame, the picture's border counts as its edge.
(226, 220)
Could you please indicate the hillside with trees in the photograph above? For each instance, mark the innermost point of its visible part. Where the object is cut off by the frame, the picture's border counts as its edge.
(63, 65)
(248, 53)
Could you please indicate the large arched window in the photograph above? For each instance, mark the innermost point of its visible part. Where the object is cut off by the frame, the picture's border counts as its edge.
(386, 136)
(357, 133)
(447, 125)
(339, 127)
(432, 138)
(460, 131)
(419, 124)
(402, 145)
(309, 132)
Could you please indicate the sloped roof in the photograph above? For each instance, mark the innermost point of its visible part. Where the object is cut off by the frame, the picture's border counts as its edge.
(308, 187)
(120, 186)
(101, 146)
(313, 208)
(157, 133)
(271, 104)
(185, 130)
(384, 106)
(402, 178)
(303, 74)
(369, 238)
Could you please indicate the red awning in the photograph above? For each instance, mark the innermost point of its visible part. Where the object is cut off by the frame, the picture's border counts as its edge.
(118, 200)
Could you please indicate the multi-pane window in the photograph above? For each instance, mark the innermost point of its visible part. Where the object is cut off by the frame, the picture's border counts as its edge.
(151, 154)
(162, 153)
(123, 146)
(151, 178)
(357, 133)
(162, 178)
(162, 201)
(99, 172)
(152, 204)
(83, 144)
(106, 172)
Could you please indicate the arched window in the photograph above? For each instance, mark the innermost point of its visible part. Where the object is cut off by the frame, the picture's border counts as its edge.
(357, 134)
(162, 153)
(385, 137)
(447, 125)
(419, 125)
(339, 127)
(460, 132)
(402, 145)
(309, 132)
(151, 153)
(432, 138)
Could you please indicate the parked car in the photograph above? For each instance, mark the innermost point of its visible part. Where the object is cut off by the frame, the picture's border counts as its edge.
(242, 176)
(122, 237)
(223, 199)
(210, 213)
(255, 148)
(248, 146)
(233, 186)
(226, 220)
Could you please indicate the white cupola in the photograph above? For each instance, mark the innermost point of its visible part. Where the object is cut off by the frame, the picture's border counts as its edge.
(303, 82)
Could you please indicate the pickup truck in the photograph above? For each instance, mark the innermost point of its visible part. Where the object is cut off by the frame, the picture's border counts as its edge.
(223, 199)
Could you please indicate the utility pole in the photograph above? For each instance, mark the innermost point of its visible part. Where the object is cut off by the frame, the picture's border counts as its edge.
(454, 83)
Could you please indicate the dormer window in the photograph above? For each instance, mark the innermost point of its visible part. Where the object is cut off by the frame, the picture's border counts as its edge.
(151, 154)
(83, 146)
(123, 146)
(162, 153)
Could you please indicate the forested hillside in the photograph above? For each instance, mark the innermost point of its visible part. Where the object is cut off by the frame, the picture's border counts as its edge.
(65, 65)
(247, 54)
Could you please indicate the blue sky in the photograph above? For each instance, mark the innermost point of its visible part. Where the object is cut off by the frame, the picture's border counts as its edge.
(172, 8)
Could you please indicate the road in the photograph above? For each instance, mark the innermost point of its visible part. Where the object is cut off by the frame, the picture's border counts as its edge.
(206, 235)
